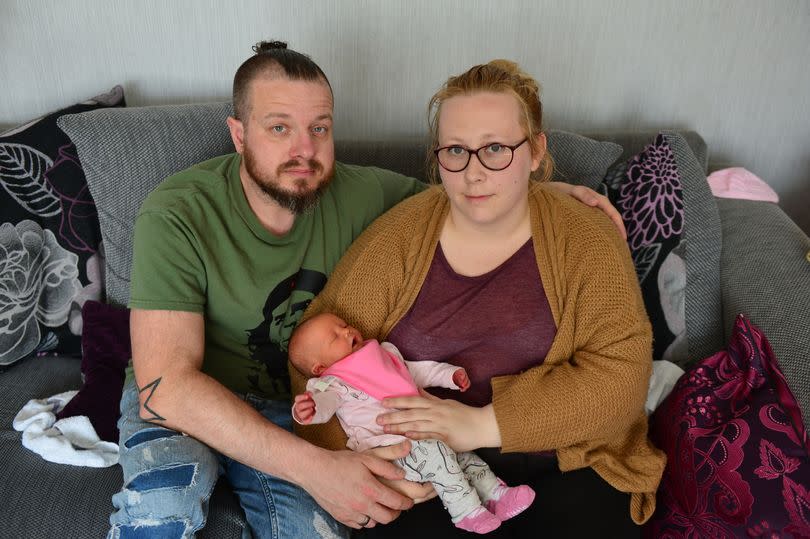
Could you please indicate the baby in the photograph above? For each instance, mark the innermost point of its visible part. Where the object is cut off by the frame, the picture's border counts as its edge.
(350, 377)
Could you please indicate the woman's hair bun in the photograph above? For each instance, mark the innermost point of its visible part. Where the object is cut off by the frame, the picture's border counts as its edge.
(506, 65)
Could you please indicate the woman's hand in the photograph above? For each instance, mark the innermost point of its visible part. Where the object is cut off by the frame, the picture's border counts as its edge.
(418, 492)
(462, 427)
(589, 197)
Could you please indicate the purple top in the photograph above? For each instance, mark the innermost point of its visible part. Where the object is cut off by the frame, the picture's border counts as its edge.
(493, 324)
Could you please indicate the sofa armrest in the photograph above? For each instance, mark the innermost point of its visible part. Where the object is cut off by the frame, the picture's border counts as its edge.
(765, 273)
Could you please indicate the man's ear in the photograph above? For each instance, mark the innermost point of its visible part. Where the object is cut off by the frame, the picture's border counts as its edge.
(538, 150)
(318, 369)
(237, 129)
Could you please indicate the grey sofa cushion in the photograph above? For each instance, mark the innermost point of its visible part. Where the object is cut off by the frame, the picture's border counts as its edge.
(579, 159)
(766, 276)
(702, 242)
(406, 156)
(37, 495)
(43, 499)
(126, 154)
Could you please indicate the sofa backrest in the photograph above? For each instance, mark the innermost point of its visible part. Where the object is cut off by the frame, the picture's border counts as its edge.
(127, 152)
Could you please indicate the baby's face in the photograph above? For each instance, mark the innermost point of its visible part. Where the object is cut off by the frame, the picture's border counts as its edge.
(333, 339)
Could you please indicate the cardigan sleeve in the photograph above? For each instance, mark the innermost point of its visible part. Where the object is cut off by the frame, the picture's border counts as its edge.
(592, 386)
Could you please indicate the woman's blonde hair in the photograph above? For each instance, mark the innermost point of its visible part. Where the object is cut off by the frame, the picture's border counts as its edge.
(500, 76)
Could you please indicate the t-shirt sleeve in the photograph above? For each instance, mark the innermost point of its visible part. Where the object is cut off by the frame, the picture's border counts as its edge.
(167, 271)
(397, 187)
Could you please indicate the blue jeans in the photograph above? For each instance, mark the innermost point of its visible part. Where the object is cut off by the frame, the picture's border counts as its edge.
(169, 477)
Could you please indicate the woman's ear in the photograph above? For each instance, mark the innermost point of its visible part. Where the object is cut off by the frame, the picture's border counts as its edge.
(538, 150)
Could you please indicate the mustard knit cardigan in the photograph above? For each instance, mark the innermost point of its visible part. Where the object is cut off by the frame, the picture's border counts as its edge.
(586, 401)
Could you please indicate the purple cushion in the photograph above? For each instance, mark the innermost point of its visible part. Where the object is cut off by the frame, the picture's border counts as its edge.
(49, 237)
(106, 352)
(738, 456)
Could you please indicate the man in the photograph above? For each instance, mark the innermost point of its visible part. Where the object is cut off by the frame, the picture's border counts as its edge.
(227, 256)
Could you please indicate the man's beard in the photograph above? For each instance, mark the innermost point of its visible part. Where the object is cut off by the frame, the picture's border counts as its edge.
(297, 201)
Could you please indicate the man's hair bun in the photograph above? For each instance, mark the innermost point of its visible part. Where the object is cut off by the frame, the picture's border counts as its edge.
(264, 46)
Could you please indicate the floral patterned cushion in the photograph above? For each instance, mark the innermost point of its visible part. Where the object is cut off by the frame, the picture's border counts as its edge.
(738, 456)
(674, 234)
(50, 243)
(648, 192)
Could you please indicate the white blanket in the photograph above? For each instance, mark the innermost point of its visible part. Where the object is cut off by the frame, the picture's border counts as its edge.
(71, 440)
(664, 377)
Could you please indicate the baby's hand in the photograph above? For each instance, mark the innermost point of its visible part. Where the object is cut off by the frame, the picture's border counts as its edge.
(304, 408)
(461, 379)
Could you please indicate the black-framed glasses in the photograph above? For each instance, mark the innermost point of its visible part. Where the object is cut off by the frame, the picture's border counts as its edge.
(495, 156)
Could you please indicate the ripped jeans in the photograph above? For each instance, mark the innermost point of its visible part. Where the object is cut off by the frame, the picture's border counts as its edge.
(169, 477)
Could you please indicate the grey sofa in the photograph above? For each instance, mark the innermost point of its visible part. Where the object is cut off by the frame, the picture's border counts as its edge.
(762, 269)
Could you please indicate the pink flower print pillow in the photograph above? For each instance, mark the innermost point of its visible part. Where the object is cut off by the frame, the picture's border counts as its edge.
(673, 232)
(647, 191)
(738, 457)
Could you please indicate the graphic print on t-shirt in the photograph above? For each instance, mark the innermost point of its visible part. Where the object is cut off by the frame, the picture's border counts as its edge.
(267, 342)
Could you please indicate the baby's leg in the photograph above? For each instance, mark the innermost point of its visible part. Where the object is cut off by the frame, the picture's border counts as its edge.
(505, 502)
(478, 474)
(434, 461)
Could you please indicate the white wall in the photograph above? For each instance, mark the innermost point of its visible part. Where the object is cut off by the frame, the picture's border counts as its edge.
(737, 71)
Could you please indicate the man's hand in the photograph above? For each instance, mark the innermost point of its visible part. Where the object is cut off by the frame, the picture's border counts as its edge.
(418, 492)
(589, 197)
(461, 379)
(304, 408)
(344, 484)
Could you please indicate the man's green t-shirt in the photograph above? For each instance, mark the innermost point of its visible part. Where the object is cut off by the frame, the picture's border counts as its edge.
(200, 248)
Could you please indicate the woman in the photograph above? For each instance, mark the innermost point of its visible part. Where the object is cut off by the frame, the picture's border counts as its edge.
(532, 293)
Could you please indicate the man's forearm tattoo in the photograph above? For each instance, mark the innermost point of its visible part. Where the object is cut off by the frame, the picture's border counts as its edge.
(151, 387)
